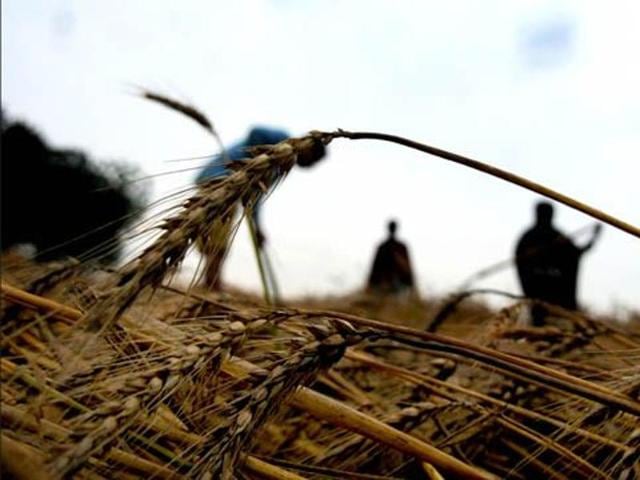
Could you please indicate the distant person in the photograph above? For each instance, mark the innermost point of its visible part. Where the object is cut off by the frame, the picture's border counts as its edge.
(391, 272)
(548, 263)
(214, 248)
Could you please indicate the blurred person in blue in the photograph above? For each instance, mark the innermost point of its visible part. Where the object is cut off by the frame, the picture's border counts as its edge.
(215, 247)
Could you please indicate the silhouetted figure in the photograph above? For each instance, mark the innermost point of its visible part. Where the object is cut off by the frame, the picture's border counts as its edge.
(58, 200)
(214, 248)
(548, 263)
(391, 272)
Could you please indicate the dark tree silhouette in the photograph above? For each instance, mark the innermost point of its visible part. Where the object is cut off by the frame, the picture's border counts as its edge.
(59, 200)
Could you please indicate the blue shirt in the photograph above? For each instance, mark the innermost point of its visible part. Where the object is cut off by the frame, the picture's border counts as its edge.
(217, 167)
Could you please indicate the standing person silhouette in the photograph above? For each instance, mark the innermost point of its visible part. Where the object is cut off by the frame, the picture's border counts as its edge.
(214, 247)
(548, 263)
(391, 272)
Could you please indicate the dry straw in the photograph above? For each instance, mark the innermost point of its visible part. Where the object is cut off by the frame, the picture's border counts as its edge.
(174, 384)
(255, 402)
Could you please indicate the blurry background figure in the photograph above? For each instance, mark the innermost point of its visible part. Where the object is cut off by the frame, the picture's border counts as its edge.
(548, 263)
(391, 273)
(215, 247)
(61, 202)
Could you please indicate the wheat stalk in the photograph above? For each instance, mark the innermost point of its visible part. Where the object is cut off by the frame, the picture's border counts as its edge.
(214, 200)
(496, 172)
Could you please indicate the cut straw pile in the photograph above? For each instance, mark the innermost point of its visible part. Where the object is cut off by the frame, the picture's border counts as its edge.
(116, 375)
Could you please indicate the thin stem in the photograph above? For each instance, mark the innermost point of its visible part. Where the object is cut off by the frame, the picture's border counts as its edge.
(496, 172)
(256, 251)
(275, 291)
(515, 365)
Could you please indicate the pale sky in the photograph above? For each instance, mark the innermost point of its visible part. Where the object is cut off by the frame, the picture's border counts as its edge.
(546, 89)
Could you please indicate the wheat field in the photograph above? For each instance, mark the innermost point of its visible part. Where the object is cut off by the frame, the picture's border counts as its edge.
(121, 374)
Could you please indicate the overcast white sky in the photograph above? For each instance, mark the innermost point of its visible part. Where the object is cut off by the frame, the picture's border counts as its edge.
(546, 89)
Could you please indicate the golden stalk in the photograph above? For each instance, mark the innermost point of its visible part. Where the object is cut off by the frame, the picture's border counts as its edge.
(495, 358)
(269, 471)
(339, 414)
(436, 385)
